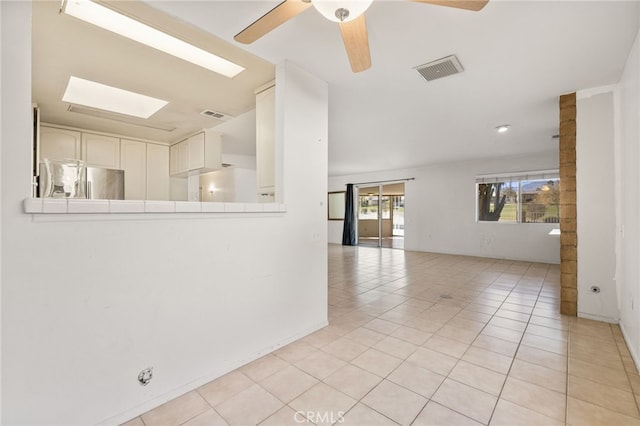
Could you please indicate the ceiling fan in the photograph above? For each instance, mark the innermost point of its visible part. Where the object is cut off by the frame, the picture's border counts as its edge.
(348, 14)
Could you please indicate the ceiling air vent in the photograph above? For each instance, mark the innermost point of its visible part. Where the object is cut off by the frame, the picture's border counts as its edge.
(216, 114)
(442, 67)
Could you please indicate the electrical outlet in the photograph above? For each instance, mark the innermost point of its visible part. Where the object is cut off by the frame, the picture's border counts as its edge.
(145, 376)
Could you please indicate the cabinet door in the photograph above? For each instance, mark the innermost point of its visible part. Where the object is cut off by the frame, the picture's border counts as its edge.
(101, 151)
(157, 172)
(133, 160)
(265, 139)
(196, 151)
(183, 156)
(173, 159)
(59, 144)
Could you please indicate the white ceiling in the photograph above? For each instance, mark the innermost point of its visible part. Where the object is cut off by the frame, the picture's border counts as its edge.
(519, 56)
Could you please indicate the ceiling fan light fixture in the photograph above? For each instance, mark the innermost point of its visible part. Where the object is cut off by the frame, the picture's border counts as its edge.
(341, 11)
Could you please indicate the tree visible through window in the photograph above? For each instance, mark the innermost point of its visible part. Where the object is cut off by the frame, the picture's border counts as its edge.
(531, 198)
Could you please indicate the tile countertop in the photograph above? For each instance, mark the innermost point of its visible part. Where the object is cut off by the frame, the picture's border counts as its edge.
(75, 206)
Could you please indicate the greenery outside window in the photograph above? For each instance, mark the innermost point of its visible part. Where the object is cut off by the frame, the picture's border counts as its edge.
(528, 197)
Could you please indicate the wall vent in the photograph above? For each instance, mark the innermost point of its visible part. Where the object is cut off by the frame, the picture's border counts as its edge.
(442, 67)
(215, 114)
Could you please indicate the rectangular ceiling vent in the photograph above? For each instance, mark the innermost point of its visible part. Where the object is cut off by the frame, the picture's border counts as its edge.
(442, 67)
(122, 118)
(216, 114)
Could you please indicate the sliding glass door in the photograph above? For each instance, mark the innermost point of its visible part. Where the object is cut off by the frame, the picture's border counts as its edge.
(381, 215)
(369, 214)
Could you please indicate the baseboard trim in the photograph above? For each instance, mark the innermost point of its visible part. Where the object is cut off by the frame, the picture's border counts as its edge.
(188, 387)
(631, 349)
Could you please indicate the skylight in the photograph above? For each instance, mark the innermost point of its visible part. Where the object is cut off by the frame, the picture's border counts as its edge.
(108, 98)
(113, 21)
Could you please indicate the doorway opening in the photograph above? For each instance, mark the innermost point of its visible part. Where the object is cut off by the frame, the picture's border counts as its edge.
(381, 215)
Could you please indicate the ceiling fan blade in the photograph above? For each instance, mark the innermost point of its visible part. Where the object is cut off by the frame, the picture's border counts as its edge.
(272, 19)
(474, 5)
(356, 41)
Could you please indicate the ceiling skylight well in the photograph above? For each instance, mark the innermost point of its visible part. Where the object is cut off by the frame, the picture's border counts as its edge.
(100, 96)
(111, 20)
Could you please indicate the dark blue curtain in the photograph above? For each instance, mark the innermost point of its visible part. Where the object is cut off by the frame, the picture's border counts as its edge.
(349, 229)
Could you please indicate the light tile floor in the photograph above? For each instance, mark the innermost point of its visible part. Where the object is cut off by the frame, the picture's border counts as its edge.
(429, 339)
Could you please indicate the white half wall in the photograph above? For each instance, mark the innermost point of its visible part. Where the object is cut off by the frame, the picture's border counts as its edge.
(440, 211)
(596, 204)
(89, 301)
(628, 200)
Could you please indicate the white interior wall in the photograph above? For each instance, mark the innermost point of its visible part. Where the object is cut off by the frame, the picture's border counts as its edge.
(440, 211)
(229, 185)
(240, 161)
(3, 48)
(596, 204)
(88, 301)
(628, 202)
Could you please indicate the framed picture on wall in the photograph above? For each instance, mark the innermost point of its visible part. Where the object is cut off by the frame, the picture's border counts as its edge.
(336, 205)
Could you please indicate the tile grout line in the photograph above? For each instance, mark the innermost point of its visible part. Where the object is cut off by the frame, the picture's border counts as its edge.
(493, 316)
(518, 348)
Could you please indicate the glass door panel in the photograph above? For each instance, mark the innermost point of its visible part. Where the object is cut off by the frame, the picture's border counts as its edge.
(368, 216)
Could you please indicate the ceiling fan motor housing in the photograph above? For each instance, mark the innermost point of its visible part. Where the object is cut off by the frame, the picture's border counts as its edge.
(342, 14)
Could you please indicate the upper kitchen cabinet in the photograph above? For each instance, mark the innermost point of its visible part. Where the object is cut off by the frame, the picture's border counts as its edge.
(201, 153)
(101, 151)
(146, 170)
(157, 184)
(265, 141)
(59, 144)
(133, 159)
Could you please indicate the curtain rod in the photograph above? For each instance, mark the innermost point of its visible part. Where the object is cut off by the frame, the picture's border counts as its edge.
(383, 181)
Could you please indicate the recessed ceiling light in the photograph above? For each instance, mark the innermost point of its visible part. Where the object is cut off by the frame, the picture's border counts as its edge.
(108, 98)
(111, 20)
(502, 128)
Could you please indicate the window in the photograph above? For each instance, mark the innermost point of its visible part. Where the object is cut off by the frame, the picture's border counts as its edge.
(531, 197)
(368, 207)
(336, 205)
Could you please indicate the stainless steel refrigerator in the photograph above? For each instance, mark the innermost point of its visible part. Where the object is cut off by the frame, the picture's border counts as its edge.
(105, 184)
(71, 179)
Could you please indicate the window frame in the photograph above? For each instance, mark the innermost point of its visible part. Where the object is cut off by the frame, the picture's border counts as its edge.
(509, 178)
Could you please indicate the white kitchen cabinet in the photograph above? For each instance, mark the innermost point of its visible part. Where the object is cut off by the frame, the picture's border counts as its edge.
(146, 170)
(173, 159)
(157, 172)
(183, 156)
(206, 147)
(59, 144)
(265, 142)
(101, 151)
(196, 151)
(201, 152)
(179, 158)
(146, 164)
(133, 160)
